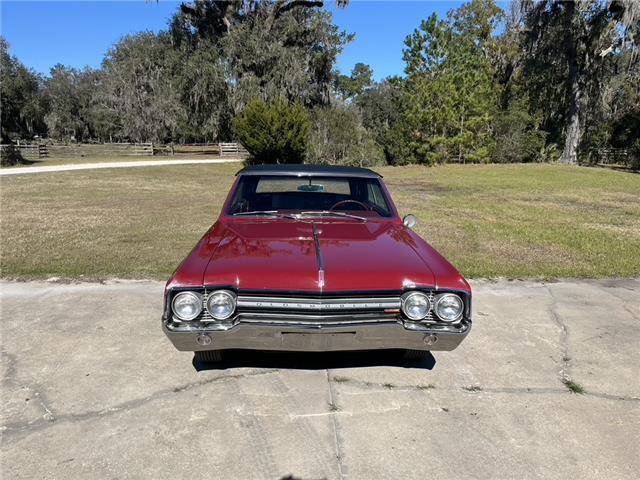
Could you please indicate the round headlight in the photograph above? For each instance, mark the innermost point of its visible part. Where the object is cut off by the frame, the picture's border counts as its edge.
(187, 305)
(449, 307)
(415, 305)
(221, 304)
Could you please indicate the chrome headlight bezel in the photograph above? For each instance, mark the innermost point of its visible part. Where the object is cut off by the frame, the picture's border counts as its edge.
(232, 300)
(406, 299)
(197, 299)
(438, 303)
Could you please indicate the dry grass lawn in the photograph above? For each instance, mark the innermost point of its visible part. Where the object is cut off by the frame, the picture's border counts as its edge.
(515, 221)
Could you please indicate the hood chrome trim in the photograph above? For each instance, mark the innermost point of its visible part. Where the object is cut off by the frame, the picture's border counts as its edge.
(316, 239)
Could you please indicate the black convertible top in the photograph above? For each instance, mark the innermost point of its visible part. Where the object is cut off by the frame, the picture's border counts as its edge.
(301, 170)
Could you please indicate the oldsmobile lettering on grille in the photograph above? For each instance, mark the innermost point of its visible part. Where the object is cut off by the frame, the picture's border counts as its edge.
(320, 305)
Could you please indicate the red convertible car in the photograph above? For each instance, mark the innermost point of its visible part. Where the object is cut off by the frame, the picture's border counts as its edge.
(314, 258)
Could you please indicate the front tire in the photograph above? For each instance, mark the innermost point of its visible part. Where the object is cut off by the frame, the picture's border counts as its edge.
(209, 356)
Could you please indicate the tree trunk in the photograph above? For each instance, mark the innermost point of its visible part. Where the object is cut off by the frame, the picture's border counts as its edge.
(573, 135)
(573, 130)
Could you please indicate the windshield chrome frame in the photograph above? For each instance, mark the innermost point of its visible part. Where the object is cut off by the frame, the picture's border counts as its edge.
(394, 216)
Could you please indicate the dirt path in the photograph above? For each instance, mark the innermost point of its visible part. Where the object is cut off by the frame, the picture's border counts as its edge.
(99, 165)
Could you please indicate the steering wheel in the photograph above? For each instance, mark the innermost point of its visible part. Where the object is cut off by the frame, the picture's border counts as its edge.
(342, 202)
(241, 206)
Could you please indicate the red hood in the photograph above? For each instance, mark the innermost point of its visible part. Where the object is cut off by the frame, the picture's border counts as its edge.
(282, 255)
(265, 256)
(254, 255)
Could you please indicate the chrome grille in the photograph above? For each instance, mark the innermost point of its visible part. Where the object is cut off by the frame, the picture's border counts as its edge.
(429, 317)
(317, 304)
(205, 316)
(326, 307)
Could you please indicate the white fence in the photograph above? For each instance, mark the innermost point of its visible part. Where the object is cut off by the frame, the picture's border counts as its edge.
(28, 152)
(37, 151)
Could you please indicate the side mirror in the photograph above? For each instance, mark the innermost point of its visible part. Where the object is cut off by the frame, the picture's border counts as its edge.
(410, 221)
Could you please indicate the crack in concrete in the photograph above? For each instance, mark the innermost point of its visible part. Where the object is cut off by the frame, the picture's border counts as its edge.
(17, 431)
(631, 312)
(10, 361)
(624, 301)
(551, 390)
(342, 469)
(36, 390)
(259, 435)
(48, 414)
(480, 390)
(565, 378)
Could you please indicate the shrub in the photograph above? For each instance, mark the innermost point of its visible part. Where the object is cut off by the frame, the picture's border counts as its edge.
(274, 133)
(518, 137)
(338, 138)
(11, 156)
(634, 151)
(550, 153)
(398, 147)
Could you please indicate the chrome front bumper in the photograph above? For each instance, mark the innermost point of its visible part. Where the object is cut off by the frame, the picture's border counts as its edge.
(317, 337)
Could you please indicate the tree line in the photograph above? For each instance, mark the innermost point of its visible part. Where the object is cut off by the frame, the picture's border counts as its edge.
(545, 80)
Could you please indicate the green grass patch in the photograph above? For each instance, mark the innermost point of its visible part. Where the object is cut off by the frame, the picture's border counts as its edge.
(472, 388)
(429, 386)
(513, 221)
(573, 386)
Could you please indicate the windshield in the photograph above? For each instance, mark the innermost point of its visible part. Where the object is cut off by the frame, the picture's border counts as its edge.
(258, 194)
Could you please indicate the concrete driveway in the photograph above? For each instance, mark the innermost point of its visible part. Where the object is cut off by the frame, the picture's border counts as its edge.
(92, 389)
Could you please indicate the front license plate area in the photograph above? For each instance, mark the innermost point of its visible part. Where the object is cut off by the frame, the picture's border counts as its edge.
(318, 341)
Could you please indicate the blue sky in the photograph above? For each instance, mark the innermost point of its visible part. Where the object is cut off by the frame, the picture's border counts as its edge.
(42, 34)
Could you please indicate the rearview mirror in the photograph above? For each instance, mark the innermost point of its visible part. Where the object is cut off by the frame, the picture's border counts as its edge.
(311, 188)
(410, 221)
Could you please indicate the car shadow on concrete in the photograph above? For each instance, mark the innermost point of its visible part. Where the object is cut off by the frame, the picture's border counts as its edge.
(314, 361)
